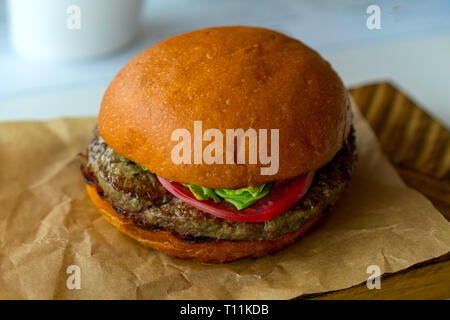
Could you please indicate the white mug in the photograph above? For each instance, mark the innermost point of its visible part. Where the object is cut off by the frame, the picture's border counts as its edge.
(71, 29)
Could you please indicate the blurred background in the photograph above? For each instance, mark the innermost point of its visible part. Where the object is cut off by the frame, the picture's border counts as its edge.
(58, 56)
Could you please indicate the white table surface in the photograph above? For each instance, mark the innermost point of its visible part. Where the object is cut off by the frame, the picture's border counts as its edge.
(412, 49)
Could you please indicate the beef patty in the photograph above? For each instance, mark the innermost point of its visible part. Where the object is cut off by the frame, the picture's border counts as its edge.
(136, 192)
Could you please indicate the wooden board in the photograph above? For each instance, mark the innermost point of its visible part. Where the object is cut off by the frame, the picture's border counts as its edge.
(419, 148)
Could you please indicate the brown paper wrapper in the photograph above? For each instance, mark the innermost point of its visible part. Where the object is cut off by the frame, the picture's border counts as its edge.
(47, 224)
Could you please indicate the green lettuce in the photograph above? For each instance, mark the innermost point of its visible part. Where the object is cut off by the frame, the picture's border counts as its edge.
(202, 193)
(240, 198)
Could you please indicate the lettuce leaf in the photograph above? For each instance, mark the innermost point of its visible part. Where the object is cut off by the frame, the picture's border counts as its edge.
(240, 198)
(202, 193)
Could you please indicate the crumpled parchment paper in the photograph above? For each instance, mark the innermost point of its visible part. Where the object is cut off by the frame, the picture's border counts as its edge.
(47, 224)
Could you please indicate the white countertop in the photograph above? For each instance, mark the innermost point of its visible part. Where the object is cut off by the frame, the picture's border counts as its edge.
(412, 49)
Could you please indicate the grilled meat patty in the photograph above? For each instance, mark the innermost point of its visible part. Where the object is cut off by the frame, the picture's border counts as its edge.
(137, 193)
(126, 184)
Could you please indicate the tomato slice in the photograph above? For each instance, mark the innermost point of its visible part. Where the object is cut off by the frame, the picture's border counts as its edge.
(280, 199)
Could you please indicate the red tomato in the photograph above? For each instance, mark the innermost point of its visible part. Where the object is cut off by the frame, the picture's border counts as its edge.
(280, 199)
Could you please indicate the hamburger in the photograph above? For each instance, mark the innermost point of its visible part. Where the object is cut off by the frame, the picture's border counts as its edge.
(220, 144)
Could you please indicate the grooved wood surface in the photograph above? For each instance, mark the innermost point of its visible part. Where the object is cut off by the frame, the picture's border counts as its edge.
(419, 148)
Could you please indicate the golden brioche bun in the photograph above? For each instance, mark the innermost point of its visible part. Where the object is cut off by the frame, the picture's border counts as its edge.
(208, 251)
(229, 78)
